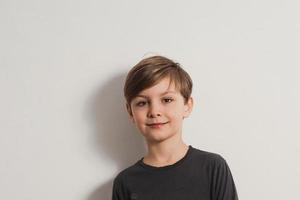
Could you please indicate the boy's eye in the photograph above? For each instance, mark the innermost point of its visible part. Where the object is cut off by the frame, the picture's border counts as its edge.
(168, 100)
(140, 103)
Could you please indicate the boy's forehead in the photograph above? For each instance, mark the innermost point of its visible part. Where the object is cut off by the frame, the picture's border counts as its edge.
(146, 94)
(161, 88)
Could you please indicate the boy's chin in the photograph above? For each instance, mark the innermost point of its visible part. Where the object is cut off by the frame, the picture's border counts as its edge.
(156, 138)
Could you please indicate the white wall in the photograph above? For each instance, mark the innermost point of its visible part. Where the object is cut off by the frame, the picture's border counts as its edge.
(60, 59)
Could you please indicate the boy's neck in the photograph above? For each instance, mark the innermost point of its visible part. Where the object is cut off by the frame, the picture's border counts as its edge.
(166, 153)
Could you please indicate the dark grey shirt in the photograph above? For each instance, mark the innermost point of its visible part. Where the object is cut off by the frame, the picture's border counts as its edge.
(199, 175)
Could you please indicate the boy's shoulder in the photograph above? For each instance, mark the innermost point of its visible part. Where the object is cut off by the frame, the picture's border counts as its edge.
(126, 172)
(208, 156)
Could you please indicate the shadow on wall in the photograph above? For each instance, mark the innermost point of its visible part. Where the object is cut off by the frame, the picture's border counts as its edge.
(114, 135)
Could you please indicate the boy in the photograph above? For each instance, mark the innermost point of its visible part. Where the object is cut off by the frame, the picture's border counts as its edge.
(158, 97)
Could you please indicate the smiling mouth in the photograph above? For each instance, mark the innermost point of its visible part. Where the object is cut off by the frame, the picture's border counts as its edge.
(157, 124)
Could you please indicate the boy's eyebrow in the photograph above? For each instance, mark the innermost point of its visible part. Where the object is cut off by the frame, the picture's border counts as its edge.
(166, 92)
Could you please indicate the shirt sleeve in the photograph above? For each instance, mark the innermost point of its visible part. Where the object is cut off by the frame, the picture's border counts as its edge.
(118, 190)
(222, 185)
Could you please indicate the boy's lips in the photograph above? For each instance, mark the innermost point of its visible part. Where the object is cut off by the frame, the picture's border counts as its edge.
(156, 124)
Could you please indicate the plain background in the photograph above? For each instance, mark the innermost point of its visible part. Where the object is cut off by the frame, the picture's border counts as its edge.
(65, 133)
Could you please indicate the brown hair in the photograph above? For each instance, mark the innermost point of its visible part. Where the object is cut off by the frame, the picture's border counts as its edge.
(150, 71)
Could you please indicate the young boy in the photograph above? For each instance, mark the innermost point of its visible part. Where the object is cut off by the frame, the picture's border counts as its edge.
(158, 98)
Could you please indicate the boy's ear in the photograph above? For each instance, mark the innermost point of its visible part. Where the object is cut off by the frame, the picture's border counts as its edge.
(129, 112)
(188, 107)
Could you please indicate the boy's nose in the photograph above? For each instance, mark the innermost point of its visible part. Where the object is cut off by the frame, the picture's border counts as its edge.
(154, 111)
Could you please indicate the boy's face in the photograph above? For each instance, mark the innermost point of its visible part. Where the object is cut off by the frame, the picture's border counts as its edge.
(158, 112)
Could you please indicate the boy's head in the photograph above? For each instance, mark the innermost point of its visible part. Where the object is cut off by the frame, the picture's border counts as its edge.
(150, 71)
(147, 100)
